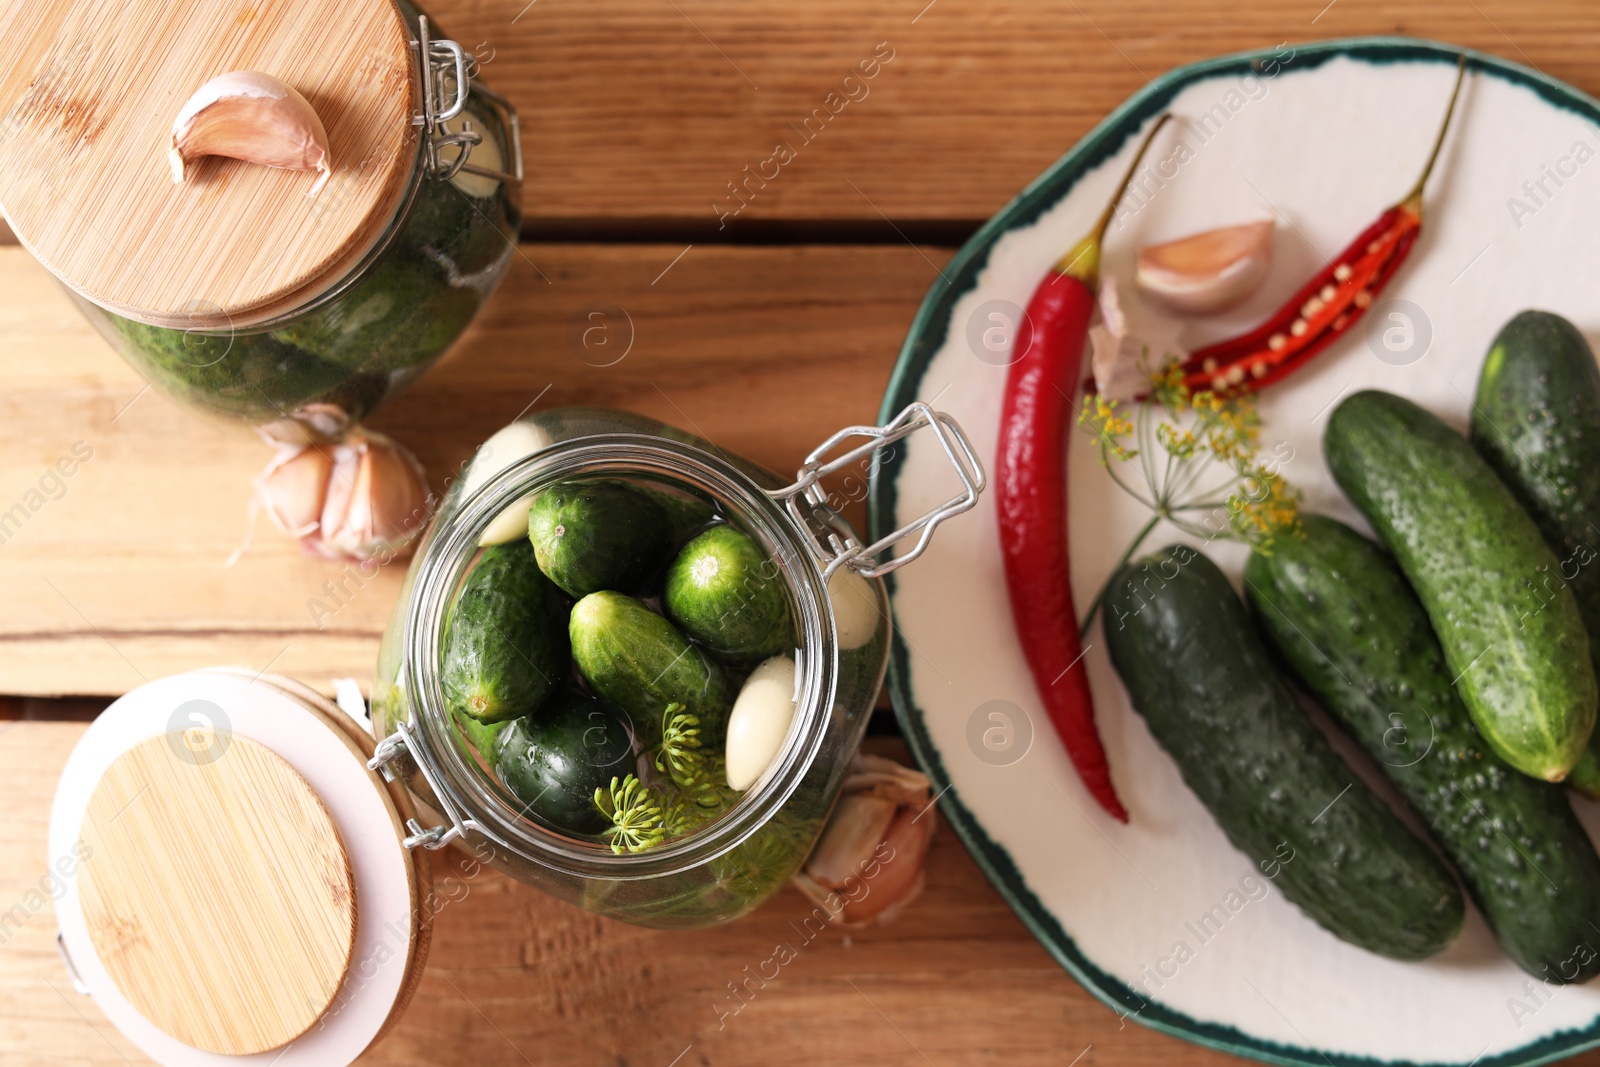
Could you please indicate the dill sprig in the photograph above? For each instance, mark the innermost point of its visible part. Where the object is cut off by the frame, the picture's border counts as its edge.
(638, 819)
(643, 816)
(1197, 454)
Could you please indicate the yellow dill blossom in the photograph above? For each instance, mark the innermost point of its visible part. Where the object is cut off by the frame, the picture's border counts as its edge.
(1196, 455)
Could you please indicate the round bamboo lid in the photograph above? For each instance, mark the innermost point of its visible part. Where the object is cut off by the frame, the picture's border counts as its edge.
(235, 875)
(217, 891)
(88, 95)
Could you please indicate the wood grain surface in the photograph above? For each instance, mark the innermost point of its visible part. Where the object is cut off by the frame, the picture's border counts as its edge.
(222, 902)
(116, 573)
(515, 977)
(637, 111)
(757, 319)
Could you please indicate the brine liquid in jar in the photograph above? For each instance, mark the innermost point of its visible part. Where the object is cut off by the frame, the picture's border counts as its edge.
(628, 669)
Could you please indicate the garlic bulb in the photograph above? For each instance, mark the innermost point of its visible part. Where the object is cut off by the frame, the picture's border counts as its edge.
(504, 447)
(254, 117)
(868, 863)
(759, 721)
(362, 498)
(1209, 271)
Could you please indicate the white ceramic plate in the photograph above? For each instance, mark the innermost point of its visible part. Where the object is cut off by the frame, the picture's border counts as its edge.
(1323, 137)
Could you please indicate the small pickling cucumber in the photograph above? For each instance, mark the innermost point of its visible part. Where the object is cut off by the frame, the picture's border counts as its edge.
(726, 593)
(1509, 626)
(640, 662)
(484, 737)
(1344, 619)
(505, 646)
(686, 515)
(1536, 421)
(553, 762)
(595, 535)
(1199, 675)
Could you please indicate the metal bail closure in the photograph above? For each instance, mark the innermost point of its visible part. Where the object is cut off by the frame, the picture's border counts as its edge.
(448, 74)
(830, 539)
(435, 837)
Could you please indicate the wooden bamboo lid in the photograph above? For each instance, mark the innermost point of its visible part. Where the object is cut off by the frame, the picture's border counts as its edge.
(216, 891)
(88, 94)
(241, 884)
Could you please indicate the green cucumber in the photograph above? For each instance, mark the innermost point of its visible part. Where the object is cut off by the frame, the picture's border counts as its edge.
(553, 762)
(1199, 675)
(686, 515)
(505, 649)
(728, 594)
(1510, 628)
(1536, 421)
(1341, 614)
(598, 535)
(640, 662)
(483, 737)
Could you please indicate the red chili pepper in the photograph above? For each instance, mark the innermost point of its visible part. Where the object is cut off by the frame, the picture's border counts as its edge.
(1325, 309)
(1032, 485)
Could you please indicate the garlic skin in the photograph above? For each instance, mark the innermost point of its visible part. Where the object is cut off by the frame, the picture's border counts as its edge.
(1207, 272)
(362, 498)
(252, 116)
(1129, 343)
(293, 488)
(503, 448)
(868, 864)
(759, 721)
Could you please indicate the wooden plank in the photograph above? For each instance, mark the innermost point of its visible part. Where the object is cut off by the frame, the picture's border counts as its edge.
(638, 110)
(515, 977)
(116, 574)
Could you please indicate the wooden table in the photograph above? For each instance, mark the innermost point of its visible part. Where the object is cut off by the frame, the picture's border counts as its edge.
(762, 321)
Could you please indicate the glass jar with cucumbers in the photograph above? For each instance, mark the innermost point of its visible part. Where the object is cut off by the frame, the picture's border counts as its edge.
(632, 669)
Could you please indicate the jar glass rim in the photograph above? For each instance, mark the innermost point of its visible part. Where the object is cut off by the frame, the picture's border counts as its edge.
(447, 553)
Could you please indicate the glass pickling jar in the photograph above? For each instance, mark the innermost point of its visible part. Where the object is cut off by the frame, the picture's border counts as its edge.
(291, 301)
(725, 864)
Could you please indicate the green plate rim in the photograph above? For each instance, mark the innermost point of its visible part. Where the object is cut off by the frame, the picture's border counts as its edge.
(927, 335)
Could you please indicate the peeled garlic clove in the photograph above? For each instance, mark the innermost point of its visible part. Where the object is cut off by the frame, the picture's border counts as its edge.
(254, 117)
(759, 721)
(856, 612)
(1208, 271)
(293, 488)
(505, 447)
(377, 501)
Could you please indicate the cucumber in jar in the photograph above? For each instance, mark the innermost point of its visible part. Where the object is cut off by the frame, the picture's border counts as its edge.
(554, 761)
(505, 647)
(728, 594)
(640, 662)
(594, 535)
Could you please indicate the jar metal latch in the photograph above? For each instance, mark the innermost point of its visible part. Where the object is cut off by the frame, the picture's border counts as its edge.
(830, 539)
(446, 76)
(435, 837)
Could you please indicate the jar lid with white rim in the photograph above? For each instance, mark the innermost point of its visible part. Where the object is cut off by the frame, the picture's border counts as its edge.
(241, 884)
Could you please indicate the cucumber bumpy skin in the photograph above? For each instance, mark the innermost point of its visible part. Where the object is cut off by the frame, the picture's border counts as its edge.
(1341, 614)
(640, 662)
(1536, 421)
(505, 648)
(1509, 626)
(1199, 675)
(598, 535)
(726, 593)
